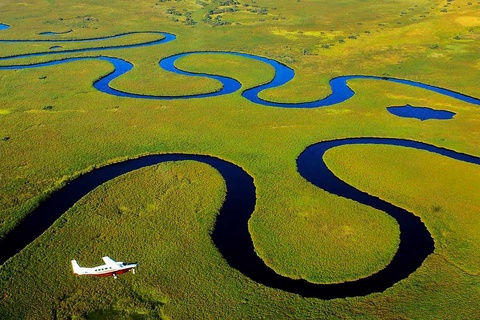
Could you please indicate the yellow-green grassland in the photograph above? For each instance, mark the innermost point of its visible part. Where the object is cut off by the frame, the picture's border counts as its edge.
(55, 126)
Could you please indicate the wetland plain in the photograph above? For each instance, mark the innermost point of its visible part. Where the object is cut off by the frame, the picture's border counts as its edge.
(244, 154)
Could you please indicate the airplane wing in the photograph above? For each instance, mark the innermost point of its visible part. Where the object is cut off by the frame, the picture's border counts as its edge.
(110, 262)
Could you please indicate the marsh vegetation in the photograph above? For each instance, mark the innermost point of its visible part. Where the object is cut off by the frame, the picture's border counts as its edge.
(162, 216)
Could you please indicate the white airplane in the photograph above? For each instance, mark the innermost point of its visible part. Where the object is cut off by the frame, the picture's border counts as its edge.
(110, 268)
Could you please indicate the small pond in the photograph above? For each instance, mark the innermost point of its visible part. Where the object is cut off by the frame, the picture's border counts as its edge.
(421, 113)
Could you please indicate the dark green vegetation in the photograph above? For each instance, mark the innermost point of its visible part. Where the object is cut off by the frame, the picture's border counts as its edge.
(54, 125)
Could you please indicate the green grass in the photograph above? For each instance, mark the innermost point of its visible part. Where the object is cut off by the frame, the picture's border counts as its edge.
(162, 216)
(448, 202)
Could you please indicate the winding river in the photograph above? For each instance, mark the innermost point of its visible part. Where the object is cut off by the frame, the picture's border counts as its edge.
(341, 92)
(230, 234)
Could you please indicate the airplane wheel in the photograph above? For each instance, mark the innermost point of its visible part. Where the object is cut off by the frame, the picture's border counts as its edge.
(114, 276)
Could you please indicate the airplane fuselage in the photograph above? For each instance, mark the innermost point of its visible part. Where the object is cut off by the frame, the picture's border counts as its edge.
(111, 268)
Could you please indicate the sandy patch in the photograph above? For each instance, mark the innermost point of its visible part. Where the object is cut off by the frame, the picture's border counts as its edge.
(468, 21)
(293, 35)
(436, 55)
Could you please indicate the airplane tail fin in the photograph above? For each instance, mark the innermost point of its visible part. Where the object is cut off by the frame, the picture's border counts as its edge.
(76, 268)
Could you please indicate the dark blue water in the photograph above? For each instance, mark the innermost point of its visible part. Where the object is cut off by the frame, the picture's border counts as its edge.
(416, 242)
(231, 235)
(163, 38)
(421, 113)
(121, 67)
(53, 33)
(237, 208)
(340, 91)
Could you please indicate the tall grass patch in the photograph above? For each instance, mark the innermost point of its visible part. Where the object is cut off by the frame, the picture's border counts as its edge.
(442, 191)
